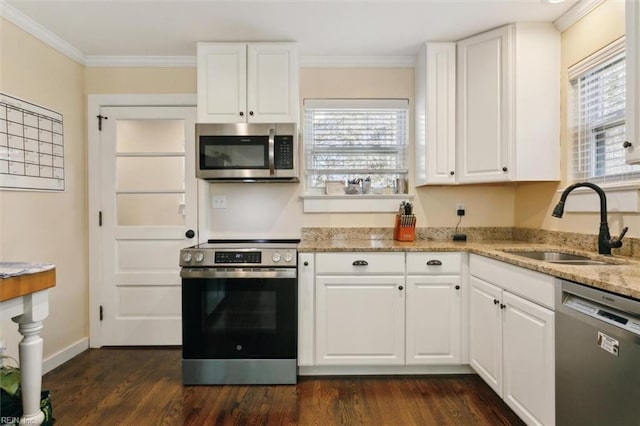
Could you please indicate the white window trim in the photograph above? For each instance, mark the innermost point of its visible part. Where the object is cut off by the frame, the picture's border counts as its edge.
(315, 201)
(622, 197)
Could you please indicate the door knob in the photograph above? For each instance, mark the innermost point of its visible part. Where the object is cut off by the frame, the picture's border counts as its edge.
(627, 144)
(190, 233)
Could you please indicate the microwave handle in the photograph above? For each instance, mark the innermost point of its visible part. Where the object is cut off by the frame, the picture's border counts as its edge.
(272, 148)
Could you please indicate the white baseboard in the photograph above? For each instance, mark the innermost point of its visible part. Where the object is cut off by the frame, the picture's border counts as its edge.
(360, 370)
(65, 355)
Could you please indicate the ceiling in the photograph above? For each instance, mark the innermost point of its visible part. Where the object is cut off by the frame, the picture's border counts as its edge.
(363, 28)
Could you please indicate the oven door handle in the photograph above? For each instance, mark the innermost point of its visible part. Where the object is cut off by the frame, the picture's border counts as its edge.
(205, 273)
(272, 155)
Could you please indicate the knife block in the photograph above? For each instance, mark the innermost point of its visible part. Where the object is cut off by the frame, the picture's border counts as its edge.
(404, 228)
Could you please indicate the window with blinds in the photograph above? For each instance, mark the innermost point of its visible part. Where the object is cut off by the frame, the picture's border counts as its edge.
(598, 122)
(355, 138)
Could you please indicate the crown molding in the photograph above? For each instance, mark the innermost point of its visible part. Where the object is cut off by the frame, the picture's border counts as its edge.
(13, 15)
(577, 12)
(357, 61)
(141, 61)
(305, 61)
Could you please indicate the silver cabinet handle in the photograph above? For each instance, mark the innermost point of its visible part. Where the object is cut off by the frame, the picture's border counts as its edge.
(434, 262)
(360, 263)
(272, 148)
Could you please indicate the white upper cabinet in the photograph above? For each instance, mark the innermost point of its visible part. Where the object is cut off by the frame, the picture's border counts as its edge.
(247, 83)
(508, 105)
(632, 40)
(435, 122)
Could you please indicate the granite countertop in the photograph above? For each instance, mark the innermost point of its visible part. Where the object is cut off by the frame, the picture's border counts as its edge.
(621, 275)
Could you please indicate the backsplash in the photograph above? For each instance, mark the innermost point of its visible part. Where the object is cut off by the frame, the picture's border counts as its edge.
(587, 242)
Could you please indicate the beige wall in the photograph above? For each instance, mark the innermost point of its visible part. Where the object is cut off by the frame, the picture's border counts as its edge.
(49, 227)
(535, 201)
(140, 80)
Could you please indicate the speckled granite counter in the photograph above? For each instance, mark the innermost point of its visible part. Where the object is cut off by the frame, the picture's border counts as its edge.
(621, 276)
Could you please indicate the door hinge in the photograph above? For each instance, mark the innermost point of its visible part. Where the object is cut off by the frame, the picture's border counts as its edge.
(99, 218)
(101, 117)
(101, 316)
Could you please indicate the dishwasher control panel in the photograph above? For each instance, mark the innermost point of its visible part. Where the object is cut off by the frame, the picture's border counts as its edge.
(604, 313)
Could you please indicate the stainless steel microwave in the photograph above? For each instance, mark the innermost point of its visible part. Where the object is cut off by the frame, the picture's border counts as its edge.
(252, 152)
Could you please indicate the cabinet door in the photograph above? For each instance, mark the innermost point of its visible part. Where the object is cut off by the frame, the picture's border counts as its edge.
(222, 88)
(529, 360)
(632, 41)
(435, 114)
(272, 83)
(485, 107)
(306, 311)
(433, 320)
(485, 332)
(360, 320)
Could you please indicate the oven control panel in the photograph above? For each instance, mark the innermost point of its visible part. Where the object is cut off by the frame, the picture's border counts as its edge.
(214, 257)
(237, 257)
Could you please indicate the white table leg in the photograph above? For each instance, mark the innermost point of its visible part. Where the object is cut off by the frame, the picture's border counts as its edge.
(36, 309)
(30, 349)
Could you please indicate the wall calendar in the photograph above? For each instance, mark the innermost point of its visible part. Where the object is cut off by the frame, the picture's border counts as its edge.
(31, 146)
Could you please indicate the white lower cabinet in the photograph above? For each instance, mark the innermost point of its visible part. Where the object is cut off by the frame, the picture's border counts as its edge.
(433, 320)
(434, 308)
(306, 308)
(528, 373)
(360, 320)
(369, 312)
(512, 348)
(485, 332)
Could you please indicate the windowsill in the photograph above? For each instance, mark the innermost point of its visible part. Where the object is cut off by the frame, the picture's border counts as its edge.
(622, 197)
(357, 203)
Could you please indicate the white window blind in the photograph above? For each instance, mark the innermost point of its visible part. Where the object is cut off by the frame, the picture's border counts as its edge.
(355, 138)
(598, 117)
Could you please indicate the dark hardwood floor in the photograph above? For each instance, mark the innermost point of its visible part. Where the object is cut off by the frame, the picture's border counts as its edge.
(142, 386)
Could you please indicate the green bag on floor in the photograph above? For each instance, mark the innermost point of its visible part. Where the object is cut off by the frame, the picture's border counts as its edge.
(10, 398)
(11, 408)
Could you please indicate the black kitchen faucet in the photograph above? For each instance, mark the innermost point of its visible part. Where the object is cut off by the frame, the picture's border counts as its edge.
(605, 242)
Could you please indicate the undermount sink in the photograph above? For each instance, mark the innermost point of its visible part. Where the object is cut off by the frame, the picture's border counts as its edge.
(558, 257)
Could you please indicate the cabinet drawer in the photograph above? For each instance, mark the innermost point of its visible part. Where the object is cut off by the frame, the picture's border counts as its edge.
(360, 263)
(434, 263)
(532, 285)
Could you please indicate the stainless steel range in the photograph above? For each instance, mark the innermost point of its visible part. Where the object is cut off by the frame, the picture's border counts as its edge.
(239, 312)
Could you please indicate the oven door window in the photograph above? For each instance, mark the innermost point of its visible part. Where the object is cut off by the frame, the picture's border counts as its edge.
(248, 318)
(234, 152)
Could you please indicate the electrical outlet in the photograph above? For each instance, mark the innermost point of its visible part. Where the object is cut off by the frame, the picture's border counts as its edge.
(460, 206)
(219, 201)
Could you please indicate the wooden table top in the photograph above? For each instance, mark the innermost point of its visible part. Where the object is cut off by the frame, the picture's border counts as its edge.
(21, 285)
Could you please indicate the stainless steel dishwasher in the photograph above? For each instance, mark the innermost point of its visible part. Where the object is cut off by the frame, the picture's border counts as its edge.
(597, 357)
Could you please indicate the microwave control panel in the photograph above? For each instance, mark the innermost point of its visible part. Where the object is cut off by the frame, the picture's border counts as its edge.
(283, 155)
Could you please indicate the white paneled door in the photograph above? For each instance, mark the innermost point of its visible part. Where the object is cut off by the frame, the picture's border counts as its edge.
(148, 205)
